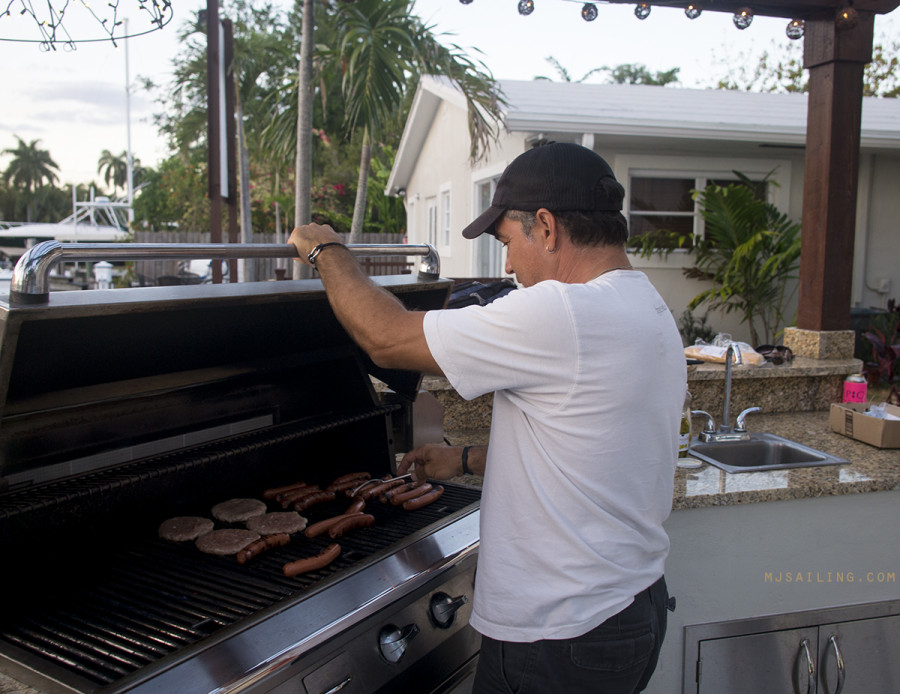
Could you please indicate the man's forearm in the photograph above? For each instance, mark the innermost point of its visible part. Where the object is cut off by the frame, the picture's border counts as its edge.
(376, 320)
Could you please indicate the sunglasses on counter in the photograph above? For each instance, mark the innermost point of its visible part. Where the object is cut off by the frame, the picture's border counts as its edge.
(777, 354)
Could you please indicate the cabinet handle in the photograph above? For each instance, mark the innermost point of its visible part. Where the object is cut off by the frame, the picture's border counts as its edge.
(839, 659)
(810, 668)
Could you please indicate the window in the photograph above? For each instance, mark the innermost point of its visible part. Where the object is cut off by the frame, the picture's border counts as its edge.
(432, 212)
(665, 204)
(488, 251)
(445, 220)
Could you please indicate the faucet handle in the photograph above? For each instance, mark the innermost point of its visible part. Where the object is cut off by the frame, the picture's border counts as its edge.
(710, 422)
(739, 424)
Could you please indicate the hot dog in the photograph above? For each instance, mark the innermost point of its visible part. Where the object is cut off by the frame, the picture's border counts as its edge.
(275, 491)
(357, 506)
(345, 482)
(379, 489)
(319, 561)
(289, 497)
(424, 500)
(358, 520)
(317, 498)
(322, 526)
(413, 490)
(261, 545)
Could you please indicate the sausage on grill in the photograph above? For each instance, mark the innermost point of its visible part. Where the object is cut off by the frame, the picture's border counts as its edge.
(379, 489)
(348, 481)
(424, 500)
(273, 492)
(289, 497)
(322, 526)
(316, 498)
(358, 520)
(254, 549)
(319, 561)
(413, 490)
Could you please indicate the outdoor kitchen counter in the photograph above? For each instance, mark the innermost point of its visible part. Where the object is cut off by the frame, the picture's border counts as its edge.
(870, 469)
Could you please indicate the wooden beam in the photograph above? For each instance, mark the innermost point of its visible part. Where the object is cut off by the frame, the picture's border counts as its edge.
(836, 59)
(790, 9)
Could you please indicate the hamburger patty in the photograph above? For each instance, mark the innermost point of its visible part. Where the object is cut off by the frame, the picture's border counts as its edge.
(227, 541)
(277, 522)
(184, 528)
(238, 510)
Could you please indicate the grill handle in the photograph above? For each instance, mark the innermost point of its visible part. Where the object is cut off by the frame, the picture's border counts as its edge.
(31, 277)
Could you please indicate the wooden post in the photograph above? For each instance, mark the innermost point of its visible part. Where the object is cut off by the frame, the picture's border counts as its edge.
(836, 59)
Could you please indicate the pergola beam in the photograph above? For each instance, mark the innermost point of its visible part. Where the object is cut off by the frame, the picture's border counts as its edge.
(835, 55)
(799, 9)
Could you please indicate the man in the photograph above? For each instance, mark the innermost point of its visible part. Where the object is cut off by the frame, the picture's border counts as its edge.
(588, 375)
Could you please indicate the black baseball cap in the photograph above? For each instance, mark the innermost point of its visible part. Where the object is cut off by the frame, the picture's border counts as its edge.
(560, 176)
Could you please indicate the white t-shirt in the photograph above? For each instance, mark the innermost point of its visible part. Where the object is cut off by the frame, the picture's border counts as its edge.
(589, 382)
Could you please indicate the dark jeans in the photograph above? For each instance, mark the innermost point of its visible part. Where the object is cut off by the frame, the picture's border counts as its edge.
(618, 657)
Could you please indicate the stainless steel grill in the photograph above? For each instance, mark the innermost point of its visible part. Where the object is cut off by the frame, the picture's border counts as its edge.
(125, 407)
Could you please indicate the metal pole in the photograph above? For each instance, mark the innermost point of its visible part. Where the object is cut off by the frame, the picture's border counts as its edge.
(213, 137)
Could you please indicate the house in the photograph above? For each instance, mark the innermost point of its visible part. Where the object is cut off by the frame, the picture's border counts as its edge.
(662, 142)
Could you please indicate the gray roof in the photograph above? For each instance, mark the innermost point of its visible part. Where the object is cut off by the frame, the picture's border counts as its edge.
(624, 109)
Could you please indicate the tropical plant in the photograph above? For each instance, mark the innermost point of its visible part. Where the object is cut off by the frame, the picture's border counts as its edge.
(634, 73)
(693, 329)
(564, 74)
(884, 337)
(781, 70)
(114, 168)
(29, 169)
(383, 48)
(750, 253)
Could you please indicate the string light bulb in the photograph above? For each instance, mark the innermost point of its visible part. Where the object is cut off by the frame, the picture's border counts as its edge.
(693, 10)
(846, 18)
(589, 12)
(526, 7)
(642, 10)
(795, 29)
(743, 18)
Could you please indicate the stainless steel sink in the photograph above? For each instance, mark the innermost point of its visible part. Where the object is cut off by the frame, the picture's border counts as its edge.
(761, 452)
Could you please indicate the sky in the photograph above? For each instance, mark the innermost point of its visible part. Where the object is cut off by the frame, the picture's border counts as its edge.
(76, 103)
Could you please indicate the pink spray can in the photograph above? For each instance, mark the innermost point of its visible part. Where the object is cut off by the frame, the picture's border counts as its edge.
(855, 388)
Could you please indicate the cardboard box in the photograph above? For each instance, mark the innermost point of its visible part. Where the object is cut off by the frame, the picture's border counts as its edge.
(848, 419)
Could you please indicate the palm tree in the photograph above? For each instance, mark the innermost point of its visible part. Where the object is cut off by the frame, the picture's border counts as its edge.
(563, 73)
(382, 50)
(114, 168)
(29, 169)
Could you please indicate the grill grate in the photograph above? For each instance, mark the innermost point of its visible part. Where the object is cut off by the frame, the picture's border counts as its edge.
(149, 600)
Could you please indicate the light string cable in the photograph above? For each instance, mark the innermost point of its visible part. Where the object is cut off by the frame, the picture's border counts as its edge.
(52, 29)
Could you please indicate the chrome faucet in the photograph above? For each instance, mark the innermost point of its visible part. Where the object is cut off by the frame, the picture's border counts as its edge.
(710, 434)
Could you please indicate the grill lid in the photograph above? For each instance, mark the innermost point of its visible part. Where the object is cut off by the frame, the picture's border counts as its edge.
(119, 373)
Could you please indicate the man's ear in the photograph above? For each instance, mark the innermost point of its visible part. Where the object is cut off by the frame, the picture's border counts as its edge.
(548, 228)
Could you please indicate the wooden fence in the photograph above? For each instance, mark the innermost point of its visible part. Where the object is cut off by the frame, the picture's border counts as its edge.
(151, 272)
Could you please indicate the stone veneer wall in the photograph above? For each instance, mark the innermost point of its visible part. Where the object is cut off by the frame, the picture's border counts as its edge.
(806, 385)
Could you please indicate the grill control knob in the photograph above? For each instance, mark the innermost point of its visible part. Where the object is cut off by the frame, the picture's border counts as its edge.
(443, 608)
(393, 641)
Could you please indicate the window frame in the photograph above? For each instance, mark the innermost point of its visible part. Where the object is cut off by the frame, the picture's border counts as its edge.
(702, 170)
(445, 217)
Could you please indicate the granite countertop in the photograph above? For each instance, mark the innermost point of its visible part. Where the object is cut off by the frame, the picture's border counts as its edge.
(870, 469)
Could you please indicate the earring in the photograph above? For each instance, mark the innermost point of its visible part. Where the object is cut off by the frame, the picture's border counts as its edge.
(551, 250)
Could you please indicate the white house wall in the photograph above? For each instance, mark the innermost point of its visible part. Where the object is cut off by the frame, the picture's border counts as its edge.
(877, 253)
(443, 163)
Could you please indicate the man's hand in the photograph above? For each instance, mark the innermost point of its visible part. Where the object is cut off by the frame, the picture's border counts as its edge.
(306, 237)
(440, 462)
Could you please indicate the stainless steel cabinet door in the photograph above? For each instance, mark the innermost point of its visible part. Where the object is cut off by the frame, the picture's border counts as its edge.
(776, 662)
(862, 657)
